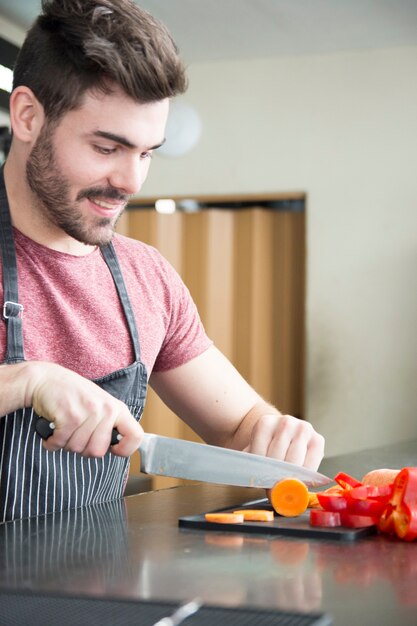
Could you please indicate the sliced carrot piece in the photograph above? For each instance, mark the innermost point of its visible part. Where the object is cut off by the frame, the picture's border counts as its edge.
(289, 497)
(313, 501)
(224, 518)
(256, 515)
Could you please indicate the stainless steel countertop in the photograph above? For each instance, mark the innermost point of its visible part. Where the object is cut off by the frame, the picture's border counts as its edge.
(133, 548)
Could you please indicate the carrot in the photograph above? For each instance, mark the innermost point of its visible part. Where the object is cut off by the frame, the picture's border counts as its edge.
(289, 497)
(256, 515)
(224, 518)
(313, 501)
(380, 477)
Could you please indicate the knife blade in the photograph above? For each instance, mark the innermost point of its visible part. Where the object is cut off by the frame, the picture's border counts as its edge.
(178, 458)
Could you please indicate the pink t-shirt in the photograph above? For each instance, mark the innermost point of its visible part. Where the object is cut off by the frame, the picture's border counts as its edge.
(73, 316)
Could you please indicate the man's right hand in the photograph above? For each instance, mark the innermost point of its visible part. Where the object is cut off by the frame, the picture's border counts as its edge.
(83, 413)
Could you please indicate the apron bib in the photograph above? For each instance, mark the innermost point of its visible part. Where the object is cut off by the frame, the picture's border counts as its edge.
(34, 481)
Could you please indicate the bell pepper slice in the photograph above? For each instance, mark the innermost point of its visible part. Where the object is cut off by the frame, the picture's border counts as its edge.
(371, 507)
(351, 520)
(386, 520)
(405, 523)
(332, 501)
(363, 492)
(324, 519)
(405, 487)
(346, 481)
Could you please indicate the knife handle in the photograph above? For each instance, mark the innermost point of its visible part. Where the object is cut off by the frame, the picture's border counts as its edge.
(115, 437)
(45, 429)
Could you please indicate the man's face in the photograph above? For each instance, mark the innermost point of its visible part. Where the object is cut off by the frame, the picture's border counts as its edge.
(83, 170)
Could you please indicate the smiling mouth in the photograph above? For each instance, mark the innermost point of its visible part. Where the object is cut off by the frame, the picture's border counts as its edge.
(111, 206)
(107, 208)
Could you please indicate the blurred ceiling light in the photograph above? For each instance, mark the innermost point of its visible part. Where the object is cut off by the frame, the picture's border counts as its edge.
(183, 130)
(165, 206)
(6, 78)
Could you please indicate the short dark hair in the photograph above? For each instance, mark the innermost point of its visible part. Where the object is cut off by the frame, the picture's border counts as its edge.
(80, 45)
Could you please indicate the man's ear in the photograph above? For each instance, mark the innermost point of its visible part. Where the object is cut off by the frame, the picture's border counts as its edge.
(26, 114)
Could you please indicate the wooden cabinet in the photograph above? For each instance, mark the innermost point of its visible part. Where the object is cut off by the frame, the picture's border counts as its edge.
(245, 269)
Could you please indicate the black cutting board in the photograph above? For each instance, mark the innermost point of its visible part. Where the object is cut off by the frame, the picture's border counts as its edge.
(291, 526)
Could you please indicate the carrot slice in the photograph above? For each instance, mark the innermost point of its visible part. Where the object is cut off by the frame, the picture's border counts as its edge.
(289, 497)
(313, 501)
(224, 518)
(256, 515)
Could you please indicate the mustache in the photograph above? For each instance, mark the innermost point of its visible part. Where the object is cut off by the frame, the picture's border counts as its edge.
(103, 192)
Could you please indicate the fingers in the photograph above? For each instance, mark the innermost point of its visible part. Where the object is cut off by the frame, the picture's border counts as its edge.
(131, 436)
(288, 439)
(91, 436)
(84, 416)
(315, 452)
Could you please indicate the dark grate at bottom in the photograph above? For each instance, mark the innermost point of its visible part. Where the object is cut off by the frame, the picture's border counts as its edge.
(36, 609)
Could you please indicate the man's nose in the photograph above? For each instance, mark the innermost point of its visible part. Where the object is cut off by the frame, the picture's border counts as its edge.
(129, 175)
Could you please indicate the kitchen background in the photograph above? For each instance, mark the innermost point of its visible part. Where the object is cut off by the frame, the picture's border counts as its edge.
(315, 101)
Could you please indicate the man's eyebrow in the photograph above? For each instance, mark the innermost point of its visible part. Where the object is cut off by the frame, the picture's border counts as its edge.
(122, 140)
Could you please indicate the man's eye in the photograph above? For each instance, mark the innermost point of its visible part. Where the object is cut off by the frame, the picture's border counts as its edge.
(103, 150)
(146, 155)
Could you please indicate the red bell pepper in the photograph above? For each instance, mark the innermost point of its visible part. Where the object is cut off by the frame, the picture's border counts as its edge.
(400, 515)
(363, 492)
(324, 519)
(393, 508)
(366, 507)
(351, 520)
(332, 501)
(346, 481)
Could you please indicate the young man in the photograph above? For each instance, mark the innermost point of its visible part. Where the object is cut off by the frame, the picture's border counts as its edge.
(90, 317)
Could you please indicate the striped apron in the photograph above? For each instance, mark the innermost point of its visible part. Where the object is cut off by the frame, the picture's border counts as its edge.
(34, 481)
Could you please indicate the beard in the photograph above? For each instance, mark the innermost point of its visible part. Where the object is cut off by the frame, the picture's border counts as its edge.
(52, 190)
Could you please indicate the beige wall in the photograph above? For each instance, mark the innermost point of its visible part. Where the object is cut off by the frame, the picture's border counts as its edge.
(9, 31)
(342, 128)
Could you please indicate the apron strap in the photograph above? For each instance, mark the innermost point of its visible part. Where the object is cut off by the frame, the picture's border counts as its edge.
(109, 255)
(12, 310)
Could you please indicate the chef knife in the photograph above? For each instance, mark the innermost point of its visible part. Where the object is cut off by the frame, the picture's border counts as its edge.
(177, 458)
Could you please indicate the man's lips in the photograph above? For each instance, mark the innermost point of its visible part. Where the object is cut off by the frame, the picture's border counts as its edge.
(107, 208)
